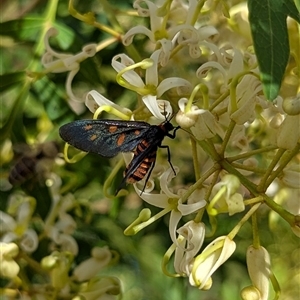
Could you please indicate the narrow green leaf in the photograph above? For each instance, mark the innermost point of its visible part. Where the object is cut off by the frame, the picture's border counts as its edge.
(270, 37)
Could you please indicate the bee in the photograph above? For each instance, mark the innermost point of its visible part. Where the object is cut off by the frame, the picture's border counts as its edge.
(110, 137)
(35, 161)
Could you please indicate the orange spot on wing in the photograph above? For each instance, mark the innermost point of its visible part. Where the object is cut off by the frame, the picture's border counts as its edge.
(112, 128)
(88, 127)
(121, 139)
(93, 137)
(137, 132)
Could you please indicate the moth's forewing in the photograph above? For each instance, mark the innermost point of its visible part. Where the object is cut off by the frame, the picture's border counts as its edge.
(104, 137)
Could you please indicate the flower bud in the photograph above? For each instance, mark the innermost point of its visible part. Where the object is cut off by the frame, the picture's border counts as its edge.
(259, 264)
(91, 266)
(291, 176)
(8, 267)
(250, 293)
(291, 105)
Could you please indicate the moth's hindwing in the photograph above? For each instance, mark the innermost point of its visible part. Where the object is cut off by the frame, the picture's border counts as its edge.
(104, 137)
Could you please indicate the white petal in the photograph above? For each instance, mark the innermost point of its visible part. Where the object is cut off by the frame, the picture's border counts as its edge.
(175, 217)
(153, 105)
(171, 82)
(130, 76)
(226, 251)
(206, 67)
(203, 270)
(166, 47)
(206, 32)
(236, 65)
(93, 97)
(151, 75)
(29, 241)
(66, 223)
(7, 222)
(158, 200)
(165, 180)
(129, 35)
(187, 209)
(67, 243)
(179, 254)
(92, 266)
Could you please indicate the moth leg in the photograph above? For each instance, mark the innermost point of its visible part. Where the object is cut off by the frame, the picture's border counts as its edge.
(169, 156)
(173, 135)
(148, 176)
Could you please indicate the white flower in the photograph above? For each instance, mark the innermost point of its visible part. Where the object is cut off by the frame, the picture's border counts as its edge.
(8, 267)
(158, 33)
(225, 197)
(151, 90)
(229, 65)
(189, 242)
(91, 266)
(56, 62)
(210, 259)
(187, 118)
(60, 62)
(171, 202)
(16, 229)
(66, 242)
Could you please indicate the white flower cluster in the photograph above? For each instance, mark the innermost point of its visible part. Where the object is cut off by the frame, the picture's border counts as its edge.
(57, 229)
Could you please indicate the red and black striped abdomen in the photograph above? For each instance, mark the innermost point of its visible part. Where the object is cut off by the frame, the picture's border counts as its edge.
(144, 165)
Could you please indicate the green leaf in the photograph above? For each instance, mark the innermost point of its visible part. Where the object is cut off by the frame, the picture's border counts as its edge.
(22, 29)
(11, 79)
(52, 96)
(293, 9)
(65, 37)
(14, 125)
(270, 37)
(29, 28)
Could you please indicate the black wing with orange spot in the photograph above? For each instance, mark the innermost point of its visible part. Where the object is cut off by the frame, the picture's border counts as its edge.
(104, 137)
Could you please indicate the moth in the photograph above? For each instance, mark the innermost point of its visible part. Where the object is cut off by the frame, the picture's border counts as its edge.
(110, 137)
